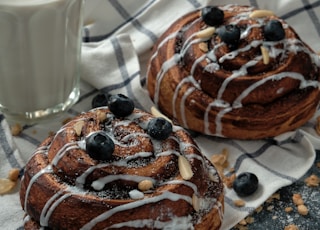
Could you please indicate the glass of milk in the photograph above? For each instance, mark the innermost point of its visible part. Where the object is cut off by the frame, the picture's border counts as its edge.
(40, 45)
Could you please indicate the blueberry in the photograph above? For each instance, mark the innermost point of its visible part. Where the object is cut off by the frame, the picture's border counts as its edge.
(245, 184)
(159, 128)
(120, 105)
(273, 31)
(99, 100)
(212, 15)
(99, 146)
(230, 34)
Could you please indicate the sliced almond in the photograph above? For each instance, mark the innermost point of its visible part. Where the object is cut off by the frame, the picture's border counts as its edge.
(239, 203)
(184, 168)
(265, 55)
(155, 112)
(206, 33)
(195, 202)
(145, 185)
(203, 47)
(16, 129)
(101, 116)
(78, 127)
(6, 185)
(261, 13)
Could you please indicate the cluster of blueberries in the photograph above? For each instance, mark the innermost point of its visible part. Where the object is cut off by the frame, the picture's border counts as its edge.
(100, 146)
(230, 34)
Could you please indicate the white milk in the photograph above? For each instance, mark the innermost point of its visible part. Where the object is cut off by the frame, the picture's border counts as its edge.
(39, 56)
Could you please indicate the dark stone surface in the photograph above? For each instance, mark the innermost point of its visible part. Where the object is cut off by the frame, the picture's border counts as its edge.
(274, 216)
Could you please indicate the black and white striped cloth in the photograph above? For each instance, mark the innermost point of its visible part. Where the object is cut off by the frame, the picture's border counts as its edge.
(118, 35)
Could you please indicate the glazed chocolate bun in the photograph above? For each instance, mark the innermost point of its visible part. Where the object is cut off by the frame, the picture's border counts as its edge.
(234, 71)
(102, 171)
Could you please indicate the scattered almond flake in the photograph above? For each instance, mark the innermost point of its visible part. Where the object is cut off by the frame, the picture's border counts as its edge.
(195, 202)
(203, 47)
(13, 174)
(206, 33)
(155, 112)
(270, 208)
(78, 127)
(291, 227)
(265, 55)
(228, 181)
(297, 199)
(185, 168)
(274, 217)
(318, 164)
(259, 209)
(312, 181)
(239, 203)
(220, 160)
(241, 227)
(302, 210)
(6, 185)
(243, 222)
(145, 185)
(288, 209)
(261, 13)
(249, 219)
(16, 129)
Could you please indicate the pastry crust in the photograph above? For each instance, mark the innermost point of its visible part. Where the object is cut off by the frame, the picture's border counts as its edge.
(202, 84)
(64, 188)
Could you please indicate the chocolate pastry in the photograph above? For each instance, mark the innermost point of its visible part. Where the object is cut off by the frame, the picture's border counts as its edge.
(234, 71)
(105, 171)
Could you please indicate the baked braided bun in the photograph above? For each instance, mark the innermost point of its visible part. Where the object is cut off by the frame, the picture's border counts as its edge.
(234, 71)
(105, 171)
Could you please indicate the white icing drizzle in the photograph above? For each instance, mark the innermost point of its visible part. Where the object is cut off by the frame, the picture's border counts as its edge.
(171, 62)
(184, 182)
(64, 150)
(175, 223)
(186, 80)
(135, 204)
(303, 84)
(291, 45)
(51, 205)
(182, 104)
(45, 170)
(102, 181)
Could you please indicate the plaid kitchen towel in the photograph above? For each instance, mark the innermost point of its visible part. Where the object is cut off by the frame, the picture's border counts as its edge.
(118, 36)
